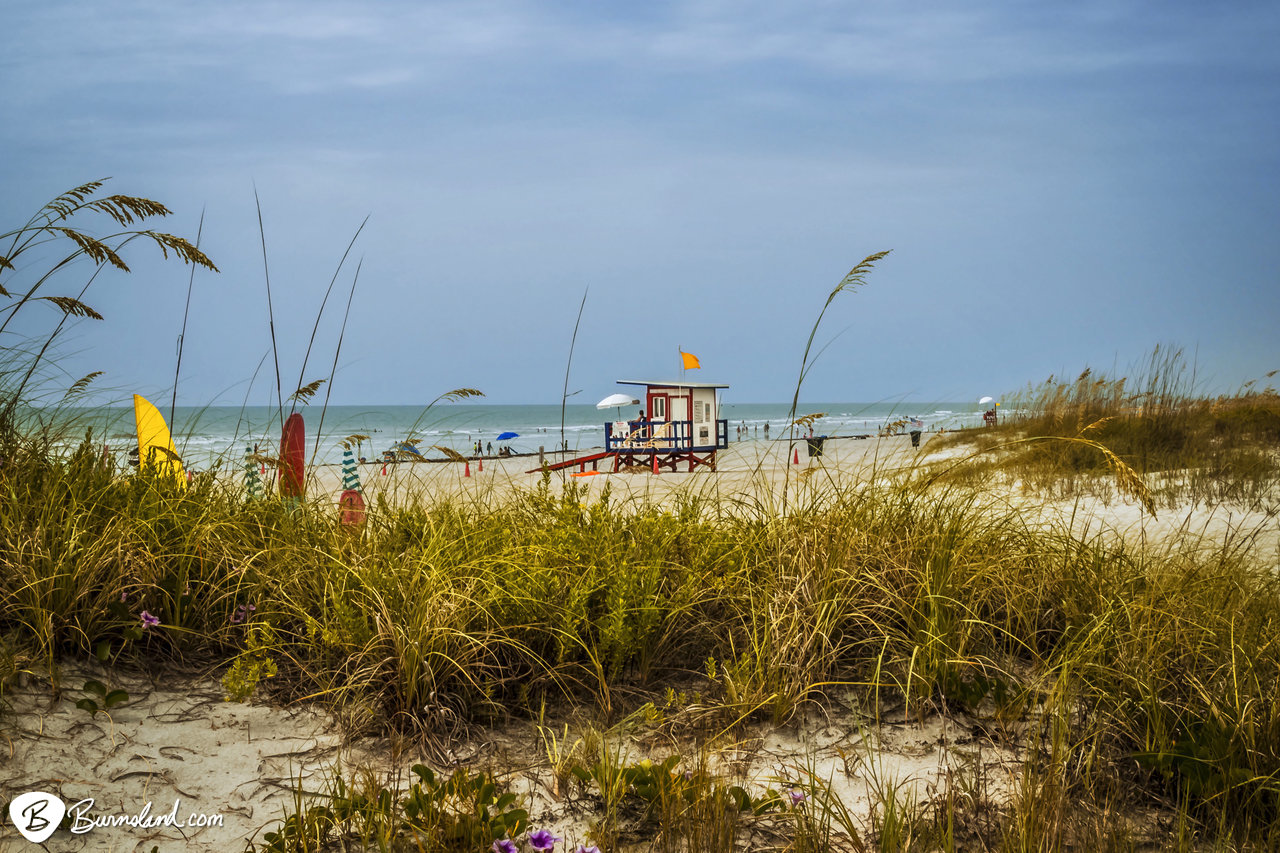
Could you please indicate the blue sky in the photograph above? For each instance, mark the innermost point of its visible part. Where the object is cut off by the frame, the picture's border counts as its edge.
(1061, 185)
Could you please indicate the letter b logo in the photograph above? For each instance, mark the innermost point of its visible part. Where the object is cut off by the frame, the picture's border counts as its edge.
(36, 814)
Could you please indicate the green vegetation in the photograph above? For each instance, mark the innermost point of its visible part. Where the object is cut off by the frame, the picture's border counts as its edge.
(1192, 448)
(1141, 677)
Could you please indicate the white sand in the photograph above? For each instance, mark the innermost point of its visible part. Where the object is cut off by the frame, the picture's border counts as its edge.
(180, 741)
(746, 469)
(756, 474)
(177, 739)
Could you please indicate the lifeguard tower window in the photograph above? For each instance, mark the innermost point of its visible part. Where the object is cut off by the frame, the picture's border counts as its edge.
(659, 409)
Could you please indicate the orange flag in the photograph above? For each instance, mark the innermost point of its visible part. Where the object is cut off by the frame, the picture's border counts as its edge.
(690, 360)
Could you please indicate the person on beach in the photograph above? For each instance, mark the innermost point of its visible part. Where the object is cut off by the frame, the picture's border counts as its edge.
(766, 429)
(490, 448)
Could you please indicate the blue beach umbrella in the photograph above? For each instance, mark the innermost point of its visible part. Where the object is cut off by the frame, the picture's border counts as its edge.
(504, 436)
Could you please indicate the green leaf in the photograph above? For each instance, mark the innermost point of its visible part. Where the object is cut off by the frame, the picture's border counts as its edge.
(88, 705)
(94, 686)
(115, 697)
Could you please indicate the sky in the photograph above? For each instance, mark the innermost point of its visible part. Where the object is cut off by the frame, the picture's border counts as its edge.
(1060, 185)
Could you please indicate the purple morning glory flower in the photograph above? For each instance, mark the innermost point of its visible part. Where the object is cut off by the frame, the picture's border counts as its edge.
(149, 621)
(124, 596)
(542, 839)
(797, 797)
(504, 845)
(591, 849)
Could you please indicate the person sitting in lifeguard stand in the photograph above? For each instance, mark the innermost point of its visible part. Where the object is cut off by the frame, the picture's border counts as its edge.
(989, 417)
(638, 423)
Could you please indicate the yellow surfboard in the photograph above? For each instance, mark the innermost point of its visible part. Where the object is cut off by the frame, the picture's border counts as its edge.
(155, 445)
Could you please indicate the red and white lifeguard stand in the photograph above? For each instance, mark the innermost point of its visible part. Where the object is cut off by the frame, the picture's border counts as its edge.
(682, 424)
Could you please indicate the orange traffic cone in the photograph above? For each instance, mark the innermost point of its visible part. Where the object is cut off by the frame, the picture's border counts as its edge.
(466, 471)
(384, 470)
(479, 465)
(796, 460)
(655, 463)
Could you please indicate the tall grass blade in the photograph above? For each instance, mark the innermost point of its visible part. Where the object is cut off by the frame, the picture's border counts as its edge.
(182, 336)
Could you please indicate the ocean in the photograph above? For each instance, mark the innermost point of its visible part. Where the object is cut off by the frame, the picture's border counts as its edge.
(207, 435)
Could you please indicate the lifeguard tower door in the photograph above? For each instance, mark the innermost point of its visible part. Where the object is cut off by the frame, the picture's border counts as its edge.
(678, 408)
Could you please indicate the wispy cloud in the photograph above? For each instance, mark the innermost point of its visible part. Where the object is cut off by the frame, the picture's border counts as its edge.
(668, 141)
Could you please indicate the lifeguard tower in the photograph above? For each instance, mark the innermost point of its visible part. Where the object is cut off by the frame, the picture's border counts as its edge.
(682, 424)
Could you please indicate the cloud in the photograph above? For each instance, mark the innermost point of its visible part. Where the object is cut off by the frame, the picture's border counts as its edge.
(525, 149)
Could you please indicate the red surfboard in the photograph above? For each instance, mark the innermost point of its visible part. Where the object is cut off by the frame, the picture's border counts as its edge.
(293, 464)
(351, 507)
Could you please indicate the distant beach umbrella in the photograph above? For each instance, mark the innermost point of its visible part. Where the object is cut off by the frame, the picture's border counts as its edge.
(506, 436)
(986, 400)
(350, 479)
(406, 448)
(252, 483)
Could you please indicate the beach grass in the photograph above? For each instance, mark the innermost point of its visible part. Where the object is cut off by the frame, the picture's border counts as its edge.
(1190, 448)
(1133, 668)
(1137, 680)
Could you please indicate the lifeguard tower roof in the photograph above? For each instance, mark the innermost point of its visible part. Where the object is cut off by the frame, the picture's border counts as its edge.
(670, 383)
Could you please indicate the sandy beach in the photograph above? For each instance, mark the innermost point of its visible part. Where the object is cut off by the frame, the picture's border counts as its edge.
(747, 468)
(754, 474)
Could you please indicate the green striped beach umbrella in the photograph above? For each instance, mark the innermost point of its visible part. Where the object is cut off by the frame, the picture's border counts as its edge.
(252, 482)
(350, 479)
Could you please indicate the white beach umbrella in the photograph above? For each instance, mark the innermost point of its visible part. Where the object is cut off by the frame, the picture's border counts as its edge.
(617, 401)
(986, 400)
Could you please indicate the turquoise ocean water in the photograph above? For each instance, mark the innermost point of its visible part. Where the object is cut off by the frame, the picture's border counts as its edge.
(204, 436)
